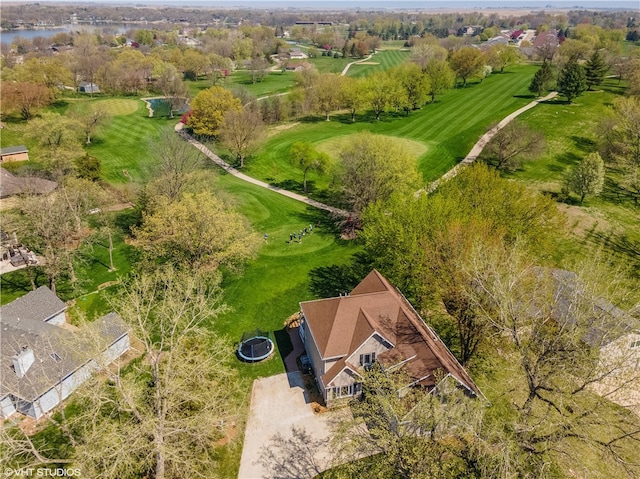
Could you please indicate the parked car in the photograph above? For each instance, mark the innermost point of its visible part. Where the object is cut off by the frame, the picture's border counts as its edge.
(305, 364)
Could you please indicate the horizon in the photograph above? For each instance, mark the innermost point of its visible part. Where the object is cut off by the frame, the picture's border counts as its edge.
(368, 4)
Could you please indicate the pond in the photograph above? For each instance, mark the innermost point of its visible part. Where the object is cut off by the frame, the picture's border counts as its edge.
(160, 107)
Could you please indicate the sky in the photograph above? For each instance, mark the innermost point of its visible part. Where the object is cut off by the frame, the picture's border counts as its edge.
(369, 4)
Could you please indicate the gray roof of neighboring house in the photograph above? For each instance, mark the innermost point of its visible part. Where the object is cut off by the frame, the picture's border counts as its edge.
(11, 184)
(39, 305)
(58, 352)
(11, 150)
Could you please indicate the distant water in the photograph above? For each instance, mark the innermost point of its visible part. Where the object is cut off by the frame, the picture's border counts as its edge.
(9, 36)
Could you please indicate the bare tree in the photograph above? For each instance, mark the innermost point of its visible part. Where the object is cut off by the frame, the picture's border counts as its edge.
(241, 132)
(512, 144)
(162, 415)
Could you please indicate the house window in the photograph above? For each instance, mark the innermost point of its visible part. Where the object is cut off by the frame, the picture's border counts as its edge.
(367, 359)
(635, 344)
(55, 357)
(342, 391)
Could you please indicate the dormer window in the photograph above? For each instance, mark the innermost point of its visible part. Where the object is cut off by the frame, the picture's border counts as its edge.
(367, 359)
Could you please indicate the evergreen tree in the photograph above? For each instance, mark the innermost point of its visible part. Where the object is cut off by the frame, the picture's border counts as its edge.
(541, 80)
(595, 70)
(572, 81)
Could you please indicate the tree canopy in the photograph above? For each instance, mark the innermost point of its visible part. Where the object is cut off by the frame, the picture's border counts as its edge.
(208, 109)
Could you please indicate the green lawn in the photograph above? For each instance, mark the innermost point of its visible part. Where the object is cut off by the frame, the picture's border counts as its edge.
(447, 128)
(381, 61)
(271, 286)
(570, 134)
(125, 147)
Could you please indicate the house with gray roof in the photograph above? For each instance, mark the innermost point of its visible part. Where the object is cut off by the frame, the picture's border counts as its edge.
(42, 361)
(11, 185)
(39, 305)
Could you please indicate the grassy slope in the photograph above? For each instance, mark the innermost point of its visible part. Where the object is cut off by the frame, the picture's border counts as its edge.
(385, 59)
(570, 134)
(449, 128)
(126, 143)
(271, 286)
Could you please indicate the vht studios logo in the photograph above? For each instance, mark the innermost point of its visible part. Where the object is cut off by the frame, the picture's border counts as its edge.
(41, 472)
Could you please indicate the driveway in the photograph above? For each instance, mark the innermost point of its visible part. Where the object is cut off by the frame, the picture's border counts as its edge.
(283, 436)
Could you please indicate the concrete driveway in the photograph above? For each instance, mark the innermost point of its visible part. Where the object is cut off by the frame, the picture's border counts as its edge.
(283, 437)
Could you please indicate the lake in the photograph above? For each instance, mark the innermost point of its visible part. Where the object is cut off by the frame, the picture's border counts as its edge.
(8, 36)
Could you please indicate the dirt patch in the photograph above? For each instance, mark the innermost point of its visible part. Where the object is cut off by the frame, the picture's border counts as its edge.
(230, 433)
(582, 222)
(277, 129)
(107, 284)
(119, 207)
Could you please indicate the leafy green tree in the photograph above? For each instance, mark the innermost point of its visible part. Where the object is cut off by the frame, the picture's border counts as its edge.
(415, 83)
(420, 243)
(466, 62)
(595, 69)
(441, 77)
(327, 93)
(353, 95)
(501, 56)
(587, 177)
(572, 81)
(161, 416)
(196, 232)
(304, 156)
(241, 132)
(374, 167)
(208, 109)
(542, 80)
(620, 136)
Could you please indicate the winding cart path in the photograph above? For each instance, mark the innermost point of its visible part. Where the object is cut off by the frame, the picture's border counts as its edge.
(231, 170)
(470, 158)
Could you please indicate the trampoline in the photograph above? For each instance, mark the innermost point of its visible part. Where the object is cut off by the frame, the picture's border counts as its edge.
(255, 346)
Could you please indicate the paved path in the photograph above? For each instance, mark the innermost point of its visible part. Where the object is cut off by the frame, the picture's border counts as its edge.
(231, 170)
(346, 68)
(482, 142)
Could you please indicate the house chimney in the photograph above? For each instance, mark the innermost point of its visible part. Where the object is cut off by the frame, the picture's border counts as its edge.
(23, 361)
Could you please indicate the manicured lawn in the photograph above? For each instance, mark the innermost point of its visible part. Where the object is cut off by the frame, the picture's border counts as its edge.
(447, 128)
(329, 64)
(381, 61)
(125, 147)
(271, 286)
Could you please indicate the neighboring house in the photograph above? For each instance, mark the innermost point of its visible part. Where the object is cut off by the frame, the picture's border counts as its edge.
(613, 331)
(296, 54)
(374, 323)
(41, 364)
(298, 67)
(11, 185)
(39, 305)
(14, 153)
(87, 87)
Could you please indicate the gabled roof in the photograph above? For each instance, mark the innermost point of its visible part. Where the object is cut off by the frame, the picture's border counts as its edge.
(12, 150)
(39, 305)
(13, 185)
(340, 325)
(58, 352)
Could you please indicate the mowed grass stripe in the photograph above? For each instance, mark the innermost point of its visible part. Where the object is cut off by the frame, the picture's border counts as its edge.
(449, 127)
(384, 60)
(126, 145)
